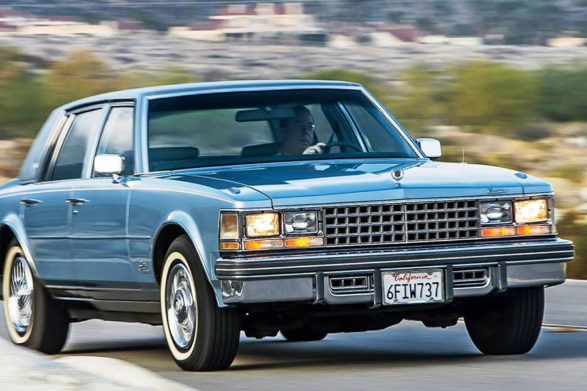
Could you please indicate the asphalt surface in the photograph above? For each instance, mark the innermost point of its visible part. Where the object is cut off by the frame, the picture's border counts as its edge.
(408, 356)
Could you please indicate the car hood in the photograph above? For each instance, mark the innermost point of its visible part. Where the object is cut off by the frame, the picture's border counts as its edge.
(322, 182)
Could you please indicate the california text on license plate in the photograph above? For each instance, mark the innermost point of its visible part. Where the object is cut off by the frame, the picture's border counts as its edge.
(413, 286)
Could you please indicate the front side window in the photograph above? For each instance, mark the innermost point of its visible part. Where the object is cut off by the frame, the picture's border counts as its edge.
(117, 136)
(70, 162)
(248, 127)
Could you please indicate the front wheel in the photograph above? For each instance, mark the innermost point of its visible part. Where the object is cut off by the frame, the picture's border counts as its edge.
(33, 318)
(200, 335)
(509, 324)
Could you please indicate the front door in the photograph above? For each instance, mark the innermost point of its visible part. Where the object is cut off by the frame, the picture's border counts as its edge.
(100, 214)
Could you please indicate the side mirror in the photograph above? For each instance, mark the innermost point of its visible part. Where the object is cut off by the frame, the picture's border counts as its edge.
(431, 147)
(108, 164)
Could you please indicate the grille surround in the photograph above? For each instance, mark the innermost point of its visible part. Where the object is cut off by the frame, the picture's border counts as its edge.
(401, 223)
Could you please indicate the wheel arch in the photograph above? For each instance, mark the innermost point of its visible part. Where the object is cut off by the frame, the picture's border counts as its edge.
(177, 224)
(12, 228)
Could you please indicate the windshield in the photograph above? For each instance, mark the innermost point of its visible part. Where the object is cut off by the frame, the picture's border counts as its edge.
(248, 127)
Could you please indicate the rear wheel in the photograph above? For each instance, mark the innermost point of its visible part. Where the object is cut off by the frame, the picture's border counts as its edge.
(200, 335)
(509, 324)
(304, 333)
(33, 318)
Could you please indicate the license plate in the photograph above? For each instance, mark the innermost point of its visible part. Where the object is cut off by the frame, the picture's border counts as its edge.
(413, 286)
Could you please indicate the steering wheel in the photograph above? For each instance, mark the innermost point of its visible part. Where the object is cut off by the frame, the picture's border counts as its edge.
(327, 147)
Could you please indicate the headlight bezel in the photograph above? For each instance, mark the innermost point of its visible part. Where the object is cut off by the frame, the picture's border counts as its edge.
(299, 239)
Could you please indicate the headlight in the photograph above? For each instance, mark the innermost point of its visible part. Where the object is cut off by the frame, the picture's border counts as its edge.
(531, 211)
(495, 212)
(262, 224)
(300, 222)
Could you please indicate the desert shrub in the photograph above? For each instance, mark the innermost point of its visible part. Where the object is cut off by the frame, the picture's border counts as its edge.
(571, 172)
(497, 97)
(562, 93)
(533, 132)
(418, 102)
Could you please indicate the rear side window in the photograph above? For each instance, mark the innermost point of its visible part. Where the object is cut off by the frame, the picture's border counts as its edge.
(70, 162)
(117, 136)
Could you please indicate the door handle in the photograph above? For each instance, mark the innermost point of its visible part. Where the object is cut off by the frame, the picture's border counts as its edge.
(76, 201)
(29, 201)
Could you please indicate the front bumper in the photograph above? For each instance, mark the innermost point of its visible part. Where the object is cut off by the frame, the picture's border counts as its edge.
(308, 277)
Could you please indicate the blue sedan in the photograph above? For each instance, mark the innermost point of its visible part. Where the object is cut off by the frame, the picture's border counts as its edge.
(300, 207)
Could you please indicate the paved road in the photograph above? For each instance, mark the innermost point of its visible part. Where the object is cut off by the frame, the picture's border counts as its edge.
(407, 356)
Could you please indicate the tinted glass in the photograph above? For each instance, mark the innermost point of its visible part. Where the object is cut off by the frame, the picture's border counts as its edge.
(117, 136)
(245, 127)
(70, 161)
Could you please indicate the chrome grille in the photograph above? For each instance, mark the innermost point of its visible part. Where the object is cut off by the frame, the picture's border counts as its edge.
(401, 223)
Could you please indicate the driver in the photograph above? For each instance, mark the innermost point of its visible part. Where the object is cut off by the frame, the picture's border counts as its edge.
(297, 134)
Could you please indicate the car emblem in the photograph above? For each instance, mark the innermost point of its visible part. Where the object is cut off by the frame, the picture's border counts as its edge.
(397, 174)
(496, 191)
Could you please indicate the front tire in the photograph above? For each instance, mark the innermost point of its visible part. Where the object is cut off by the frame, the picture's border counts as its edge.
(33, 318)
(507, 325)
(200, 335)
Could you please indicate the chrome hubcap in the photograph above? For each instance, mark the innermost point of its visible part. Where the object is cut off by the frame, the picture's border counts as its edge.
(20, 300)
(181, 306)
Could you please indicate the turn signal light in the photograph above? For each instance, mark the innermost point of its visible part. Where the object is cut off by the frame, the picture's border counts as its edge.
(263, 244)
(230, 245)
(534, 229)
(498, 231)
(304, 241)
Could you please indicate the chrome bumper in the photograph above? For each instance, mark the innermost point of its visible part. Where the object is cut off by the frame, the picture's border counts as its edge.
(470, 270)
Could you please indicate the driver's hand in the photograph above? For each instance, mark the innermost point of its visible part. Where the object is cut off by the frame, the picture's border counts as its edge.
(314, 149)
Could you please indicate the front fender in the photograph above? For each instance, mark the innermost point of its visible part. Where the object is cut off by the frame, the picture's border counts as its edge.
(187, 223)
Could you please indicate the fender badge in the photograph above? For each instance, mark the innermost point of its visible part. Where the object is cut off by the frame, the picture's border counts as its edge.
(397, 175)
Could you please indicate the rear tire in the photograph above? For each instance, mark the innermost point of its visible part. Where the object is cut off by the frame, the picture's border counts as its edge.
(303, 334)
(33, 318)
(200, 335)
(507, 325)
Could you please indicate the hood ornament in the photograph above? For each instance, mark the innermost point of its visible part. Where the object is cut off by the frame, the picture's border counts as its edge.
(397, 175)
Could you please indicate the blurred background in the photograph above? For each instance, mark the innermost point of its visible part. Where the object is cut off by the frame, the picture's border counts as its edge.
(500, 82)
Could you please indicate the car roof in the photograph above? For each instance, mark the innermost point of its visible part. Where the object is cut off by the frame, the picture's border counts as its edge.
(225, 86)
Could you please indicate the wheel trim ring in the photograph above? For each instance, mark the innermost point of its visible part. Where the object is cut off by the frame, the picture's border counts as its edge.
(178, 354)
(15, 253)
